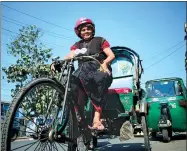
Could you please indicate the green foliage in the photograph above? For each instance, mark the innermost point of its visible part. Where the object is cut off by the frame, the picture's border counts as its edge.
(32, 57)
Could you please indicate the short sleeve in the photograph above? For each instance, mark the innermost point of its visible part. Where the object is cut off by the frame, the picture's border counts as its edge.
(74, 47)
(105, 44)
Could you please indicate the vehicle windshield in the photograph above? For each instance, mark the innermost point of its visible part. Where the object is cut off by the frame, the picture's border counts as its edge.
(122, 66)
(161, 89)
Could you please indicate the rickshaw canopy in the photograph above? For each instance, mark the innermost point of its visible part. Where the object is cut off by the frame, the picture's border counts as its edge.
(126, 68)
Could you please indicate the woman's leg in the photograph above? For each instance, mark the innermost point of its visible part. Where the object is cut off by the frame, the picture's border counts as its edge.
(82, 99)
(98, 109)
(96, 85)
(97, 123)
(78, 93)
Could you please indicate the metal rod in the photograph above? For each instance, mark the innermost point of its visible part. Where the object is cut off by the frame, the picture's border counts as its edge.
(185, 29)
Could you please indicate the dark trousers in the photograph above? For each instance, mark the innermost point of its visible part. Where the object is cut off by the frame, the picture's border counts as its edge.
(86, 82)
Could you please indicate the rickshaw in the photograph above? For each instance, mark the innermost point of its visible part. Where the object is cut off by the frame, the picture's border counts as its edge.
(167, 105)
(124, 95)
(51, 97)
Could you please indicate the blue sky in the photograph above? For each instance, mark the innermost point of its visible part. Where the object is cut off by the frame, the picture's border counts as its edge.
(152, 29)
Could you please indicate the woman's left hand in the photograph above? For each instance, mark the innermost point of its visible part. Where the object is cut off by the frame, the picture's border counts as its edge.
(104, 67)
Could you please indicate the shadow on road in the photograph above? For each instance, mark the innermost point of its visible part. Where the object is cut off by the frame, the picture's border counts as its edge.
(106, 146)
(174, 138)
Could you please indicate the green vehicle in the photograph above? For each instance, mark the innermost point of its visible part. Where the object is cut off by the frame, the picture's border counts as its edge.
(166, 100)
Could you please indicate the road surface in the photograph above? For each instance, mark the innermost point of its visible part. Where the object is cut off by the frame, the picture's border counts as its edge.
(104, 144)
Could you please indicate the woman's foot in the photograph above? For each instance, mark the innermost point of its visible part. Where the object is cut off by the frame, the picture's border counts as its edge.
(98, 125)
(97, 122)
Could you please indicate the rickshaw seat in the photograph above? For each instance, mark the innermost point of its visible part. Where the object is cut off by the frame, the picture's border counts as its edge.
(119, 90)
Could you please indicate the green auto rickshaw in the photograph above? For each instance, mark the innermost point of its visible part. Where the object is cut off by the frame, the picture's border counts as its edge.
(167, 105)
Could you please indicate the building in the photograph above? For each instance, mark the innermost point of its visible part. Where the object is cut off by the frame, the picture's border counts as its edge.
(4, 108)
(19, 120)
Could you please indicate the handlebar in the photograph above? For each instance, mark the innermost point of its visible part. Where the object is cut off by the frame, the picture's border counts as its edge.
(93, 57)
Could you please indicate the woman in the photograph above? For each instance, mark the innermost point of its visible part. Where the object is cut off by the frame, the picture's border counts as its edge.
(87, 80)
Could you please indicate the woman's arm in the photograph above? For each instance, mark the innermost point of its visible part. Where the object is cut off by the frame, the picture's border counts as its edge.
(72, 52)
(70, 55)
(110, 55)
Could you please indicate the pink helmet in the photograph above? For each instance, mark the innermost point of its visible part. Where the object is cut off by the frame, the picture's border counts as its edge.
(83, 21)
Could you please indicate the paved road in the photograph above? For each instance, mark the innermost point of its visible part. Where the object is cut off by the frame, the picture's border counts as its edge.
(177, 144)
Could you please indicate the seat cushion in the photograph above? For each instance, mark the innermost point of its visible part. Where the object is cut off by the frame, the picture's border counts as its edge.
(119, 90)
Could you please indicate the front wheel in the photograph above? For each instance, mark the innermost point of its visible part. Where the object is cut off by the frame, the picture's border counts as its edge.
(14, 134)
(146, 133)
(39, 108)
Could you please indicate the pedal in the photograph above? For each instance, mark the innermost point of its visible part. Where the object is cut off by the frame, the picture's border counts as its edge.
(95, 132)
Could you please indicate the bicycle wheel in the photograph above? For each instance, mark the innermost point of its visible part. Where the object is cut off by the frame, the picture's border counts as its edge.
(14, 134)
(39, 108)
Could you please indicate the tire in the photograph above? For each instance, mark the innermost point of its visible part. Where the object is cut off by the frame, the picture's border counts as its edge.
(72, 129)
(112, 136)
(146, 133)
(95, 141)
(153, 134)
(8, 124)
(14, 135)
(166, 135)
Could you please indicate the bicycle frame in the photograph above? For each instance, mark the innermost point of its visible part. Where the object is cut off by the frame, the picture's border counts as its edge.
(82, 124)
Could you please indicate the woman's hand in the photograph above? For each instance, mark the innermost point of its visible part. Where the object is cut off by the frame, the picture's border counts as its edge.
(104, 67)
(70, 55)
(52, 68)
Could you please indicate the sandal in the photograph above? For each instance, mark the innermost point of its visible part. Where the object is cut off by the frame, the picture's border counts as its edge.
(98, 126)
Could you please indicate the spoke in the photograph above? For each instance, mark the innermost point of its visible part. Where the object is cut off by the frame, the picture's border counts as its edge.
(43, 138)
(29, 118)
(49, 106)
(24, 145)
(37, 146)
(61, 146)
(49, 145)
(31, 146)
(47, 98)
(55, 146)
(44, 146)
(28, 99)
(28, 132)
(26, 127)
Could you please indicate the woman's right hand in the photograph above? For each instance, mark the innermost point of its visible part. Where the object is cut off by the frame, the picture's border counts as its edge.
(70, 55)
(104, 68)
(52, 67)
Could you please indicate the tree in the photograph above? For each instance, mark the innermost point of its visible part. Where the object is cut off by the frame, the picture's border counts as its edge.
(32, 59)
